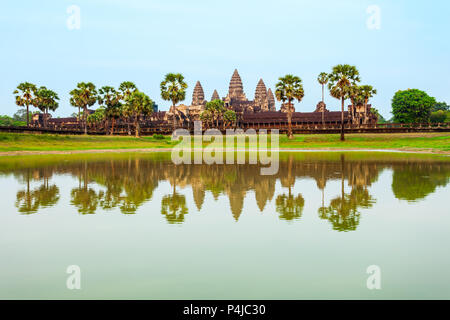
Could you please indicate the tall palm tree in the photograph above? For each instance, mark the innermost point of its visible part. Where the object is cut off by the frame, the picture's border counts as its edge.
(138, 104)
(85, 95)
(367, 92)
(24, 97)
(110, 98)
(173, 88)
(287, 89)
(46, 100)
(126, 88)
(323, 80)
(341, 79)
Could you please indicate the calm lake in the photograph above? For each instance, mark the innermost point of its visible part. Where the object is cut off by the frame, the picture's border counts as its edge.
(140, 227)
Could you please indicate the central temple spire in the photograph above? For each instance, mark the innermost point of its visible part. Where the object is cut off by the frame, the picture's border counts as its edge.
(236, 89)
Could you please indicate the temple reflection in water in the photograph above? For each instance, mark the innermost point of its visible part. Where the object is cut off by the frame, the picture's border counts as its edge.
(127, 182)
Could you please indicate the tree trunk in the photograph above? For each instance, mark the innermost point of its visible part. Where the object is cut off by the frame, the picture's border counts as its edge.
(322, 95)
(174, 116)
(342, 119)
(85, 120)
(136, 126)
(112, 126)
(28, 115)
(45, 118)
(289, 116)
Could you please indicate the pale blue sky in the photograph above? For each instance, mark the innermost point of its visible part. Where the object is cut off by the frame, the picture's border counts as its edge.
(141, 41)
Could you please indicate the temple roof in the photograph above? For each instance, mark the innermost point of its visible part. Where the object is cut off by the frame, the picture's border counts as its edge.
(198, 96)
(260, 92)
(236, 89)
(271, 99)
(215, 96)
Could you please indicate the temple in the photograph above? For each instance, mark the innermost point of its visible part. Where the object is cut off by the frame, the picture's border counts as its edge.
(259, 113)
(262, 108)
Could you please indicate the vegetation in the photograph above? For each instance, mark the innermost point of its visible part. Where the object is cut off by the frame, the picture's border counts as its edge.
(342, 78)
(407, 141)
(46, 100)
(10, 122)
(138, 104)
(323, 80)
(110, 99)
(288, 89)
(84, 96)
(25, 96)
(173, 88)
(412, 106)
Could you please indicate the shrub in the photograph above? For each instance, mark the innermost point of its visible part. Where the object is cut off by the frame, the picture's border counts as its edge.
(158, 137)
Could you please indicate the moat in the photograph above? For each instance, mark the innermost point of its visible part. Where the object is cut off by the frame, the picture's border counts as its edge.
(140, 227)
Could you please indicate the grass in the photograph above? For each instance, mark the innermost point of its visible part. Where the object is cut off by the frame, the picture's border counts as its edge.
(435, 142)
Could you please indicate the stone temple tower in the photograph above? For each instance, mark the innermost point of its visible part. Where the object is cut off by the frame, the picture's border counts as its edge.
(261, 96)
(198, 97)
(271, 99)
(215, 96)
(236, 89)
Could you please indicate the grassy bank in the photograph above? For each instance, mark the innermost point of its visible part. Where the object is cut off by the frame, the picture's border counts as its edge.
(434, 142)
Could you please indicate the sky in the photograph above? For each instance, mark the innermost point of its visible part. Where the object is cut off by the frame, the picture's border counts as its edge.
(395, 44)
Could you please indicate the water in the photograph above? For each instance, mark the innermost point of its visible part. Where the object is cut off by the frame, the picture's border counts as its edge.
(140, 227)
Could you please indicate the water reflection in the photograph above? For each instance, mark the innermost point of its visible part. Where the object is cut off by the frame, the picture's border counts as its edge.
(128, 182)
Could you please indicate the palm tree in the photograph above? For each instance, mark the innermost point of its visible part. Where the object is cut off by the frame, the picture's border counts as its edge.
(323, 80)
(367, 92)
(206, 116)
(342, 78)
(110, 98)
(287, 89)
(229, 117)
(126, 88)
(85, 95)
(24, 97)
(138, 104)
(173, 88)
(216, 107)
(46, 100)
(97, 118)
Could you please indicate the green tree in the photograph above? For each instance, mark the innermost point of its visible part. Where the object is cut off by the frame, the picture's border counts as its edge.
(85, 95)
(288, 89)
(341, 79)
(138, 104)
(46, 100)
(323, 80)
(412, 106)
(207, 117)
(439, 116)
(216, 107)
(173, 88)
(126, 88)
(97, 118)
(110, 98)
(229, 117)
(25, 96)
(440, 106)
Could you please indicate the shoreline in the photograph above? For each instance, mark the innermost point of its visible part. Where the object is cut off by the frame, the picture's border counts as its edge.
(166, 150)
